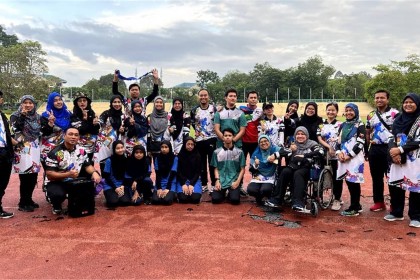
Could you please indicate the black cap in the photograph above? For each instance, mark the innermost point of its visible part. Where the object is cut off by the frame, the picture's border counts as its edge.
(267, 105)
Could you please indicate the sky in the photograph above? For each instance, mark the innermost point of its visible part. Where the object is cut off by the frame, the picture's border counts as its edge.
(88, 39)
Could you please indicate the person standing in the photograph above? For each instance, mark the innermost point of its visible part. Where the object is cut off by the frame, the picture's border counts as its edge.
(229, 164)
(230, 117)
(134, 90)
(179, 125)
(26, 127)
(351, 157)
(405, 167)
(6, 158)
(378, 131)
(158, 121)
(202, 120)
(310, 120)
(289, 120)
(272, 126)
(137, 128)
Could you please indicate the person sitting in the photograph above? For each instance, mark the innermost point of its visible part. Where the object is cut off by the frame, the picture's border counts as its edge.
(297, 171)
(137, 174)
(64, 164)
(263, 169)
(188, 185)
(166, 165)
(116, 192)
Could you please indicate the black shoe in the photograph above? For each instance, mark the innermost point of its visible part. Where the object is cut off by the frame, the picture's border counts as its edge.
(26, 208)
(57, 211)
(5, 215)
(272, 202)
(34, 204)
(243, 192)
(147, 202)
(298, 208)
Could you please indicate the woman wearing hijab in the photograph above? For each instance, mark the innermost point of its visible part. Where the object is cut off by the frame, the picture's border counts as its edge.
(263, 169)
(26, 127)
(158, 121)
(405, 167)
(189, 187)
(166, 165)
(85, 120)
(351, 158)
(310, 120)
(297, 172)
(289, 120)
(137, 128)
(54, 122)
(179, 125)
(138, 173)
(116, 193)
(112, 128)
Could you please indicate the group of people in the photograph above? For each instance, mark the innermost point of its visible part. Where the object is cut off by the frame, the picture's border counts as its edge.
(127, 143)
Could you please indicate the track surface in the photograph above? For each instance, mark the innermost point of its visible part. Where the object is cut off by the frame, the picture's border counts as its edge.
(204, 241)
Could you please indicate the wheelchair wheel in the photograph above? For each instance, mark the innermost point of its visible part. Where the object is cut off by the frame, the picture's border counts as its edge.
(325, 189)
(314, 208)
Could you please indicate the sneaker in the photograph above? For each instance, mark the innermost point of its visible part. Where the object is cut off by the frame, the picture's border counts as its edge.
(5, 215)
(297, 208)
(392, 218)
(378, 206)
(26, 208)
(57, 211)
(243, 192)
(336, 205)
(350, 213)
(359, 209)
(272, 202)
(204, 188)
(211, 189)
(414, 223)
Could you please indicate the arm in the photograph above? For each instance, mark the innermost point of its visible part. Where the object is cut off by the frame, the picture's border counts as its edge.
(92, 171)
(239, 135)
(360, 141)
(155, 91)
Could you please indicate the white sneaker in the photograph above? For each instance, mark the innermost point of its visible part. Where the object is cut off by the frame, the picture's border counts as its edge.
(414, 223)
(336, 205)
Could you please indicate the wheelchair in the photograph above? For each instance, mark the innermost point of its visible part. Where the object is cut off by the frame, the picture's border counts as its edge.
(319, 188)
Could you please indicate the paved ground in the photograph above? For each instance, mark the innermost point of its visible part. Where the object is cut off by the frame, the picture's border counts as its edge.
(204, 241)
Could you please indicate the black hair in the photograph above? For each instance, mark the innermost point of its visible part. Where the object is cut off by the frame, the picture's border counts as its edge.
(228, 129)
(201, 89)
(252, 92)
(231, 90)
(332, 103)
(383, 90)
(133, 85)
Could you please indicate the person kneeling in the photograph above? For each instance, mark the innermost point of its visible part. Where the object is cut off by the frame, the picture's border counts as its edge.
(166, 164)
(188, 185)
(116, 191)
(64, 164)
(229, 164)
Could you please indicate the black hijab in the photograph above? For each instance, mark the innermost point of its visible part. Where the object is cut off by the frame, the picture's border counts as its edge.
(165, 162)
(118, 162)
(139, 118)
(311, 122)
(404, 121)
(79, 113)
(116, 121)
(137, 167)
(177, 118)
(295, 114)
(189, 163)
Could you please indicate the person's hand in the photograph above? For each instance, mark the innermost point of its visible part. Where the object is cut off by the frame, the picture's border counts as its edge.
(155, 75)
(217, 186)
(23, 110)
(190, 190)
(121, 130)
(331, 151)
(185, 189)
(120, 191)
(85, 114)
(159, 193)
(256, 161)
(134, 186)
(164, 193)
(235, 185)
(299, 156)
(340, 156)
(271, 158)
(396, 159)
(73, 173)
(135, 196)
(293, 147)
(96, 177)
(51, 118)
(394, 152)
(116, 72)
(132, 121)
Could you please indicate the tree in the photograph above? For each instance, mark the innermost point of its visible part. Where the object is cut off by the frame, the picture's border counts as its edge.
(7, 40)
(267, 80)
(206, 76)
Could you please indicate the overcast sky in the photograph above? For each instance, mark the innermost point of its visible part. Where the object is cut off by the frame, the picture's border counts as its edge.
(88, 39)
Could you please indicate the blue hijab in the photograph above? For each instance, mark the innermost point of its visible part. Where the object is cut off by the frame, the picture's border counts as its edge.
(265, 168)
(348, 127)
(62, 116)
